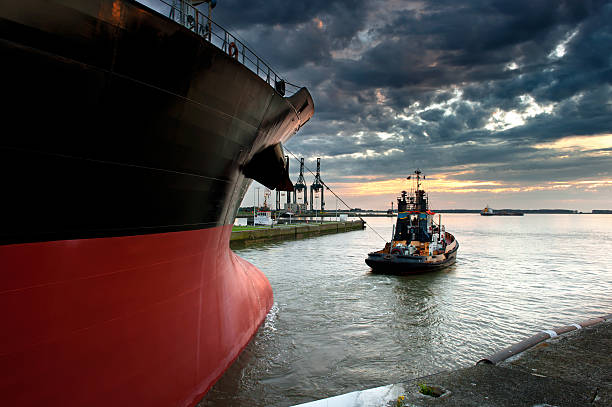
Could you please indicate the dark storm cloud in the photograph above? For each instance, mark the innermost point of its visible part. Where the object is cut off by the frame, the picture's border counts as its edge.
(292, 33)
(466, 41)
(441, 84)
(288, 13)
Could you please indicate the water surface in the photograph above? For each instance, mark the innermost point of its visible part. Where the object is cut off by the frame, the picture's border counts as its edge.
(336, 327)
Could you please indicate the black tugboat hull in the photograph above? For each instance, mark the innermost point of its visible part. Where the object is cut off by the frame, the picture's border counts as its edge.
(400, 265)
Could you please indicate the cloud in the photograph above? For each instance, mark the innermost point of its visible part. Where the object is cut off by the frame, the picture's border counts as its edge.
(444, 85)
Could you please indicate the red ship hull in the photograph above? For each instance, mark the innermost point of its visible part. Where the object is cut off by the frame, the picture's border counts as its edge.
(127, 321)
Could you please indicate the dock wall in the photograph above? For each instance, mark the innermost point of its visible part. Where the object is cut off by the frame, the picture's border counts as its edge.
(280, 232)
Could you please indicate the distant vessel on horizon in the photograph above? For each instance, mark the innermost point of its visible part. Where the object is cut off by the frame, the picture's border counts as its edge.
(487, 211)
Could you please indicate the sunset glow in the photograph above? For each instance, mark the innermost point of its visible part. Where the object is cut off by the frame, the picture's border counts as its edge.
(442, 183)
(581, 143)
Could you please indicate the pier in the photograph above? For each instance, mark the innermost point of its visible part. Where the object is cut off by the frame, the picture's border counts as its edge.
(567, 366)
(293, 231)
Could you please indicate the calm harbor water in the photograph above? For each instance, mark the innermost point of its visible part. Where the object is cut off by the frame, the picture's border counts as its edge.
(335, 327)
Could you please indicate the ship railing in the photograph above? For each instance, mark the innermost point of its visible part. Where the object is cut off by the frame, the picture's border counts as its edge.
(200, 23)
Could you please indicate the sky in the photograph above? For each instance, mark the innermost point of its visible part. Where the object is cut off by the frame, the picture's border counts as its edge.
(506, 103)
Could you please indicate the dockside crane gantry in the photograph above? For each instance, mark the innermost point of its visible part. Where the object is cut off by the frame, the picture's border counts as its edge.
(300, 186)
(317, 185)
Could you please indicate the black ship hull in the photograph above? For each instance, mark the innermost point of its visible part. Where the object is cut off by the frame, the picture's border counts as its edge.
(120, 121)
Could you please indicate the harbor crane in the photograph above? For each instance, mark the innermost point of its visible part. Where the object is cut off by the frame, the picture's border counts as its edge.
(300, 186)
(317, 186)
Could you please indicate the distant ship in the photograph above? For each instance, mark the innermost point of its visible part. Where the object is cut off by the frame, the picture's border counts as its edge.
(490, 212)
(419, 244)
(129, 139)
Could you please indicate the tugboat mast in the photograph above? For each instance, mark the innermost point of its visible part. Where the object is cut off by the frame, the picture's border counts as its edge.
(418, 173)
(418, 200)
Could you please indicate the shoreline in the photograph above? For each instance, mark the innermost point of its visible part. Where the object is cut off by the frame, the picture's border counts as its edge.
(566, 366)
(444, 211)
(295, 231)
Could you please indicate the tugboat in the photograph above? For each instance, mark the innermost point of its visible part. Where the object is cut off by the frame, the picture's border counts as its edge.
(419, 244)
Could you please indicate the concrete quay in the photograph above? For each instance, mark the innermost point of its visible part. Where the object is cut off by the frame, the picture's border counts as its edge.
(568, 366)
(295, 231)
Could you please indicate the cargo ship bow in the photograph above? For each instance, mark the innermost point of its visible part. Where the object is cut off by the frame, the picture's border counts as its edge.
(130, 137)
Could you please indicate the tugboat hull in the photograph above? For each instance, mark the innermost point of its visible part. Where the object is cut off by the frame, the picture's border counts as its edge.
(398, 264)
